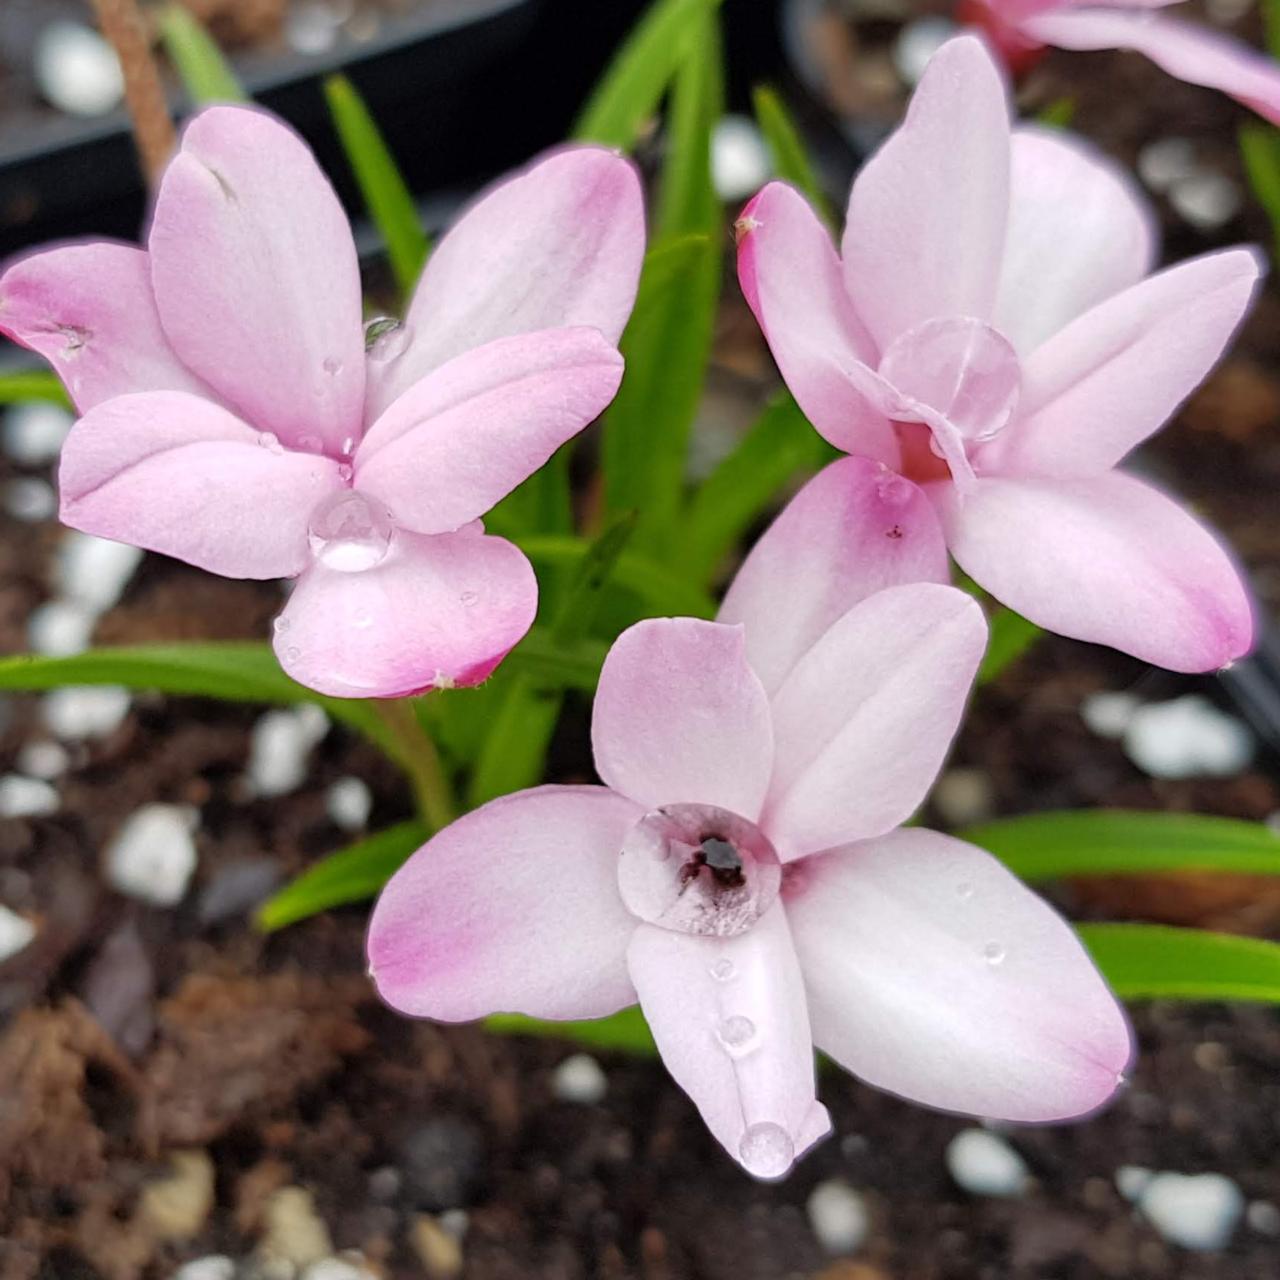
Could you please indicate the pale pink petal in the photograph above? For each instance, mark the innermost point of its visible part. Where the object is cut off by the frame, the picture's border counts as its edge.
(729, 1019)
(680, 718)
(934, 973)
(1106, 559)
(1079, 231)
(853, 530)
(439, 611)
(468, 433)
(863, 721)
(790, 275)
(557, 245)
(1112, 377)
(256, 278)
(926, 223)
(1183, 49)
(514, 908)
(177, 474)
(88, 310)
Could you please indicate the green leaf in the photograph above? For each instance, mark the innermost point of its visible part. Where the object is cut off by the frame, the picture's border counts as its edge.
(552, 665)
(542, 504)
(353, 874)
(1011, 636)
(1058, 114)
(204, 72)
(1045, 846)
(787, 150)
(1260, 151)
(33, 384)
(626, 1031)
(385, 192)
(1149, 961)
(632, 87)
(1271, 26)
(780, 446)
(235, 671)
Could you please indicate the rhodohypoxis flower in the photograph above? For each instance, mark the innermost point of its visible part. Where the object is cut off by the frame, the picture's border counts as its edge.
(991, 331)
(1020, 29)
(740, 872)
(233, 418)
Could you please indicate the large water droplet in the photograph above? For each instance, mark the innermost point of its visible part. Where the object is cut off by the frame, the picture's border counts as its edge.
(281, 624)
(349, 533)
(345, 472)
(767, 1150)
(332, 366)
(386, 338)
(736, 1033)
(993, 953)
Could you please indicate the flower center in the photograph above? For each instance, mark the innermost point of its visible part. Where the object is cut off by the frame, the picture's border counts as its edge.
(959, 377)
(349, 533)
(694, 868)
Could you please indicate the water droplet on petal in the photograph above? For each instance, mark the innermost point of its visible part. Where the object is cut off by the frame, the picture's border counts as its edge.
(722, 970)
(332, 366)
(270, 441)
(293, 653)
(310, 443)
(469, 598)
(281, 625)
(349, 533)
(362, 621)
(964, 891)
(386, 338)
(345, 472)
(736, 1033)
(348, 446)
(766, 1150)
(993, 953)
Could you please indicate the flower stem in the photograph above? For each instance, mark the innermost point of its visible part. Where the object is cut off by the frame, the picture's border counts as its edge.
(416, 754)
(123, 26)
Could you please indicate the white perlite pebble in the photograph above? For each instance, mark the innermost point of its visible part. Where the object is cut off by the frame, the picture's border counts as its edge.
(15, 933)
(153, 854)
(215, 1267)
(1187, 738)
(348, 802)
(1199, 1211)
(29, 499)
(34, 432)
(26, 797)
(44, 760)
(580, 1078)
(838, 1216)
(964, 796)
(1108, 714)
(77, 712)
(60, 628)
(740, 163)
(337, 1269)
(95, 571)
(917, 42)
(1166, 161)
(77, 70)
(1206, 199)
(984, 1164)
(1263, 1217)
(1132, 1180)
(281, 743)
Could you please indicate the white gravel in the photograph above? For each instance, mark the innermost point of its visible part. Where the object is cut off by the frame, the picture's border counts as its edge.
(1187, 738)
(838, 1216)
(34, 432)
(580, 1078)
(280, 747)
(77, 712)
(153, 855)
(1197, 1211)
(15, 933)
(23, 797)
(984, 1164)
(349, 802)
(77, 70)
(95, 571)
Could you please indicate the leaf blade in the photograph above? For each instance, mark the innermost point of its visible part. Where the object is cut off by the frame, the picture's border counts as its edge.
(201, 66)
(791, 160)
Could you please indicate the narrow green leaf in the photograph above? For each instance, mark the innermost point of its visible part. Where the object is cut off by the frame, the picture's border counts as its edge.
(353, 874)
(626, 1031)
(542, 504)
(1058, 114)
(779, 447)
(33, 384)
(1011, 636)
(385, 192)
(787, 150)
(1260, 151)
(1045, 846)
(235, 671)
(201, 66)
(1271, 26)
(632, 87)
(552, 665)
(1149, 961)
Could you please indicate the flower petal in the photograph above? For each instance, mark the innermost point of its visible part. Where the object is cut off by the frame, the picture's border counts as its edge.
(790, 275)
(862, 723)
(256, 278)
(439, 611)
(557, 245)
(680, 718)
(1192, 53)
(738, 1045)
(467, 434)
(178, 474)
(1079, 231)
(853, 530)
(927, 213)
(1106, 559)
(88, 310)
(514, 908)
(934, 973)
(1103, 384)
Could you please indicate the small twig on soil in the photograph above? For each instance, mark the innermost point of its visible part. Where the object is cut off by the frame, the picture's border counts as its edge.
(416, 754)
(123, 26)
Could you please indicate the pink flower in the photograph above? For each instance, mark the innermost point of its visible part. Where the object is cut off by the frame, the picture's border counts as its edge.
(232, 418)
(740, 873)
(1020, 29)
(993, 333)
